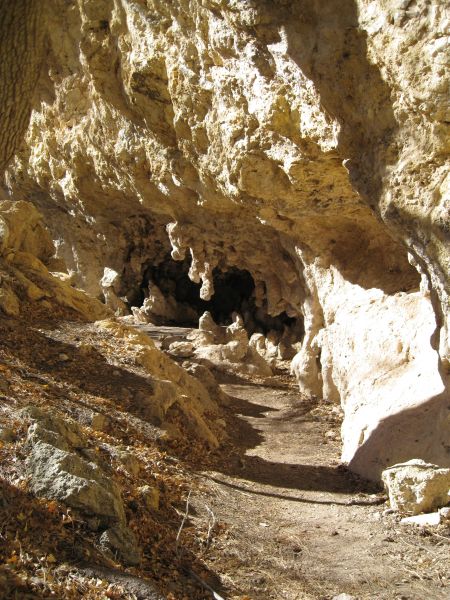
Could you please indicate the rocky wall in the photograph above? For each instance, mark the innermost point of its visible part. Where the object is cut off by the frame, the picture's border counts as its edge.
(305, 142)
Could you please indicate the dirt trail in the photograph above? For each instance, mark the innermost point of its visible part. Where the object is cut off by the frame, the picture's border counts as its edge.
(299, 525)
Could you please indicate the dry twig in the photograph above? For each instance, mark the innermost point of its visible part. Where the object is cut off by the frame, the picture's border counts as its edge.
(185, 516)
(211, 524)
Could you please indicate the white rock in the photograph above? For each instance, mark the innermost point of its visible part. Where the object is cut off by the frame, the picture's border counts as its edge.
(422, 520)
(445, 513)
(110, 278)
(416, 486)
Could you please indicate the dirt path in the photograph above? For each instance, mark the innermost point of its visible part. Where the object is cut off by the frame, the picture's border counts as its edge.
(298, 525)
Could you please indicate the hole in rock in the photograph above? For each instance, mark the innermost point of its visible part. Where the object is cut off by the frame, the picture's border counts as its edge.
(178, 299)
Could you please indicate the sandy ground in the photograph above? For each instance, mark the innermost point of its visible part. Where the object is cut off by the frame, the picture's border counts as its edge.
(298, 524)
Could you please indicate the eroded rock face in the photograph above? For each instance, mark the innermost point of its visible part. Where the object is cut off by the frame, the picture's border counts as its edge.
(303, 142)
(28, 269)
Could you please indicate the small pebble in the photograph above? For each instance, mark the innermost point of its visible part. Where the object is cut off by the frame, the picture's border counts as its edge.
(63, 357)
(423, 520)
(4, 386)
(150, 495)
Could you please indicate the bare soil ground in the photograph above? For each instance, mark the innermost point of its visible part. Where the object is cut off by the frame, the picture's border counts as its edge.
(300, 526)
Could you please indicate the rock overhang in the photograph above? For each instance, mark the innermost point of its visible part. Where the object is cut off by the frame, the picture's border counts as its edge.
(269, 137)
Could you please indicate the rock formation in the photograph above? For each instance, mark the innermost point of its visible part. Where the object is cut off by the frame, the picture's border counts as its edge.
(305, 143)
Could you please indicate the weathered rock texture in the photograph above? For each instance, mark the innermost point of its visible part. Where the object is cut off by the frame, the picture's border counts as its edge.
(416, 487)
(171, 391)
(223, 348)
(27, 264)
(61, 466)
(303, 142)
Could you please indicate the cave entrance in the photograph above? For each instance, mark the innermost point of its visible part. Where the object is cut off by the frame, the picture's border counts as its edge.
(175, 299)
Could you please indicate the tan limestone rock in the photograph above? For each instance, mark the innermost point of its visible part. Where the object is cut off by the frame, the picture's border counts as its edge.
(306, 144)
(417, 486)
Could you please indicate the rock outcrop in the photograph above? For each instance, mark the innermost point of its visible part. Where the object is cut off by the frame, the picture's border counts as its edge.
(305, 143)
(61, 466)
(28, 270)
(224, 348)
(170, 388)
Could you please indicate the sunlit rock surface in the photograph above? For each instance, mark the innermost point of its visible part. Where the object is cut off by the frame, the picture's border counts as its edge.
(303, 142)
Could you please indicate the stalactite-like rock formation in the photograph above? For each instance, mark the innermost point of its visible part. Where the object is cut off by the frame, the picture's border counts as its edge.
(305, 143)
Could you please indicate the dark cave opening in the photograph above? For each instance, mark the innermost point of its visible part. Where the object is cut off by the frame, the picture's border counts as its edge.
(233, 292)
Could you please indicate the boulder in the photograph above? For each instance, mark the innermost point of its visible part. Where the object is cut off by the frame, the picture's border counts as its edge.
(58, 469)
(121, 542)
(80, 484)
(416, 486)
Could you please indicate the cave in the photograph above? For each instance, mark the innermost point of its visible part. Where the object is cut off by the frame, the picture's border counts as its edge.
(234, 292)
(260, 183)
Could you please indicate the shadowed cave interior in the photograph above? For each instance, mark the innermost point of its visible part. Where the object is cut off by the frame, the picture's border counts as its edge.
(234, 293)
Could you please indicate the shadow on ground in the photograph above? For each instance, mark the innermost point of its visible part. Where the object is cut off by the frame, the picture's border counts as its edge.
(286, 476)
